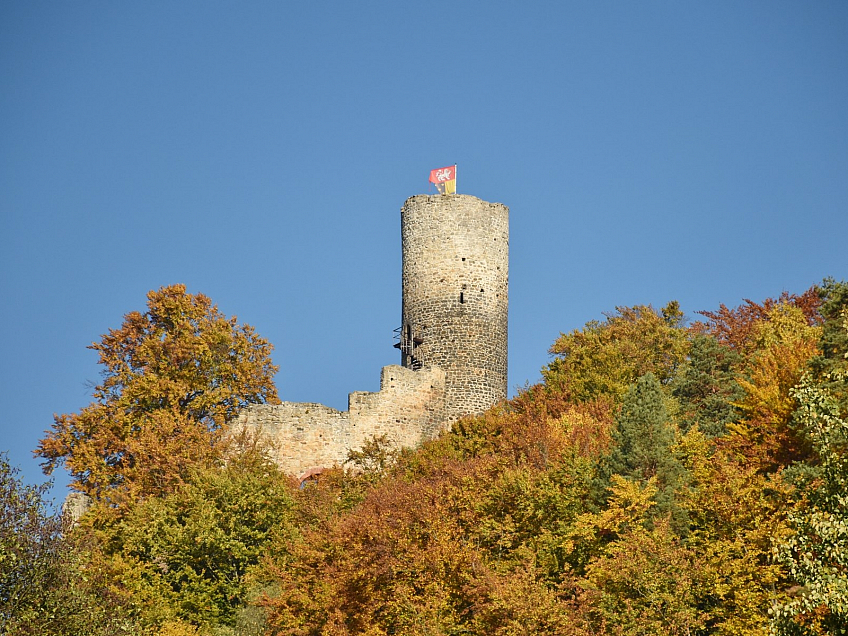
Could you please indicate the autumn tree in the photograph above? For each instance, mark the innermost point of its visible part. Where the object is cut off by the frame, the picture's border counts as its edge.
(640, 579)
(605, 358)
(185, 558)
(734, 326)
(783, 343)
(172, 378)
(30, 546)
(44, 585)
(735, 514)
(772, 343)
(816, 553)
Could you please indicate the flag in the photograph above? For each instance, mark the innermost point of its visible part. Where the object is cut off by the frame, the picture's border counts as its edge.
(444, 179)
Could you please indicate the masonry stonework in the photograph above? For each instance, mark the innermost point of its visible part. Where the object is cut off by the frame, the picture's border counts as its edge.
(453, 342)
(455, 288)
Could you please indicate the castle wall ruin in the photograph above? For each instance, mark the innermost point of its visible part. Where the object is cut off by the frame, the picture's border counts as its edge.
(408, 409)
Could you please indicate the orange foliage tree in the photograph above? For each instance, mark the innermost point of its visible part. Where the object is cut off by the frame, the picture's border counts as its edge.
(172, 377)
(734, 327)
(467, 534)
(776, 340)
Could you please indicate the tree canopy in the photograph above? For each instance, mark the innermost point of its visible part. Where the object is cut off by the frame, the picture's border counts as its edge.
(605, 358)
(662, 479)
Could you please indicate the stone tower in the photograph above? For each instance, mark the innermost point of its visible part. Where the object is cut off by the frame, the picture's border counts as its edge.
(455, 292)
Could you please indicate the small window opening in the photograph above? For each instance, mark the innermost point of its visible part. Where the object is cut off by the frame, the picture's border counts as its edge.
(463, 259)
(461, 297)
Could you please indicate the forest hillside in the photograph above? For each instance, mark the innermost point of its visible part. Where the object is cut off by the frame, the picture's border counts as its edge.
(665, 477)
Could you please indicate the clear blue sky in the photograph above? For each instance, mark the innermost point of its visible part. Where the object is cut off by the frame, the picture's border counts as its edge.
(259, 152)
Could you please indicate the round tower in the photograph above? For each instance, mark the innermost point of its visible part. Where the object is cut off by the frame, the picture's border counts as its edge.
(455, 285)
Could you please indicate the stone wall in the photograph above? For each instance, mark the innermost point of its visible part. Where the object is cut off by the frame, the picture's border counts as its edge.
(408, 409)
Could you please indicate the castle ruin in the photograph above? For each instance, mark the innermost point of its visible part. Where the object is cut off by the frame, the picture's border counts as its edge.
(452, 341)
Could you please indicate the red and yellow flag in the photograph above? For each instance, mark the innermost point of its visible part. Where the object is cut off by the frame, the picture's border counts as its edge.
(444, 179)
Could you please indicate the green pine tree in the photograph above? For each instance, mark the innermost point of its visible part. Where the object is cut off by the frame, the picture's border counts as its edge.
(706, 387)
(644, 437)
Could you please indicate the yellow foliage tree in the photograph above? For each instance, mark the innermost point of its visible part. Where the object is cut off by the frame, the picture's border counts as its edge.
(783, 343)
(605, 358)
